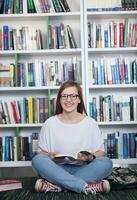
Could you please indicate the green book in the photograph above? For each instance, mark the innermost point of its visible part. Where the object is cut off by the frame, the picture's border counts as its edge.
(126, 32)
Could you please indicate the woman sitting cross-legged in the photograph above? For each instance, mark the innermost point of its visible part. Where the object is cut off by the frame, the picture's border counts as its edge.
(68, 132)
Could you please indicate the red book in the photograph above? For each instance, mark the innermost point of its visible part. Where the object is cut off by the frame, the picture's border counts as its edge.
(15, 112)
(7, 185)
(115, 34)
(121, 35)
(136, 35)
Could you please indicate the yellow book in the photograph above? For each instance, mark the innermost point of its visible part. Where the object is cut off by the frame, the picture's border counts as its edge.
(30, 109)
(12, 75)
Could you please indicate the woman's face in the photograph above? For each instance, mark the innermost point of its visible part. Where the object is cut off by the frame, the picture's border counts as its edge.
(69, 99)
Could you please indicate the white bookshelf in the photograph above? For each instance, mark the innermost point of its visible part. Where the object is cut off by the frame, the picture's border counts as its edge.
(41, 21)
(94, 90)
(77, 18)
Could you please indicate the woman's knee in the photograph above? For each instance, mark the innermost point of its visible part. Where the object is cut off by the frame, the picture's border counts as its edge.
(38, 160)
(106, 162)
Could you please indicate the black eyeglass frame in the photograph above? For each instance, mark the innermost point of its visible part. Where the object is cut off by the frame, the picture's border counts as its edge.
(73, 97)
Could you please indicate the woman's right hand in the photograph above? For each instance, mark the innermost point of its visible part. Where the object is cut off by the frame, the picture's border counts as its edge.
(49, 154)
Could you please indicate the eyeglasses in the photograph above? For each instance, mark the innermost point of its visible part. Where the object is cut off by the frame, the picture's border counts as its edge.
(73, 97)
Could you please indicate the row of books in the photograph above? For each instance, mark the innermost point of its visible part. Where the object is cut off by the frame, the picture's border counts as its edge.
(112, 34)
(60, 37)
(33, 6)
(119, 145)
(113, 108)
(25, 38)
(31, 38)
(20, 148)
(113, 5)
(24, 110)
(40, 73)
(120, 70)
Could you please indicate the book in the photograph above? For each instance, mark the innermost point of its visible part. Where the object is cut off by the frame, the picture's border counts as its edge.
(6, 185)
(64, 5)
(71, 37)
(74, 159)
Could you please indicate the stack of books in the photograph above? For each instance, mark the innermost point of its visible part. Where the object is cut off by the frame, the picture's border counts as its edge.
(6, 185)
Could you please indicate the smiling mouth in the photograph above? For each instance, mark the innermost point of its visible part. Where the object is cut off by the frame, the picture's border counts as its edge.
(69, 105)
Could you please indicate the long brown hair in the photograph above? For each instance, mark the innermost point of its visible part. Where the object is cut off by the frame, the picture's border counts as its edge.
(81, 107)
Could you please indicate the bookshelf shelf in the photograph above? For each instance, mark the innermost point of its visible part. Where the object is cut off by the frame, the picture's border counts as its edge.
(113, 86)
(10, 89)
(113, 50)
(15, 163)
(20, 125)
(118, 123)
(43, 52)
(124, 161)
(114, 14)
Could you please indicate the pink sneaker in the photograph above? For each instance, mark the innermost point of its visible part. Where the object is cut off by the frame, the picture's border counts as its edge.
(97, 187)
(42, 185)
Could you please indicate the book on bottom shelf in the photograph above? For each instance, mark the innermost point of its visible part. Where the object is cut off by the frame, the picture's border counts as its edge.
(6, 185)
(74, 159)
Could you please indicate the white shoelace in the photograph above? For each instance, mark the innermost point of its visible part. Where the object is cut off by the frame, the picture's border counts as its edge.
(93, 188)
(46, 186)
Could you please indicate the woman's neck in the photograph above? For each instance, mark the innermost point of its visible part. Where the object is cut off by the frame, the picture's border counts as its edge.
(71, 117)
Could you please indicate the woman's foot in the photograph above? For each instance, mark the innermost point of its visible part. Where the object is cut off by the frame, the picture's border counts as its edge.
(42, 185)
(102, 186)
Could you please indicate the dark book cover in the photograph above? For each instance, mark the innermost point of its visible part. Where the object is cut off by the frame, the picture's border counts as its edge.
(71, 37)
(64, 5)
(1, 6)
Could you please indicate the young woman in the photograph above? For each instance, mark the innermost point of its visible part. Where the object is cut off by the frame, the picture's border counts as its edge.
(68, 132)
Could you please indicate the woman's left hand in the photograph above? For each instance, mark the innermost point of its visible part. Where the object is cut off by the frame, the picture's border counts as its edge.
(85, 157)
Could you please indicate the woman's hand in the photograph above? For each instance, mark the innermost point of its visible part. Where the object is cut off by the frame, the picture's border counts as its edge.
(85, 156)
(49, 154)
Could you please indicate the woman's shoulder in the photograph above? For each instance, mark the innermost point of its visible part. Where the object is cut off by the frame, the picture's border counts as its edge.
(91, 120)
(50, 120)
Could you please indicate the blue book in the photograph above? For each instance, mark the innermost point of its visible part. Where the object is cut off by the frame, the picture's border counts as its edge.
(106, 38)
(109, 145)
(91, 109)
(132, 145)
(118, 70)
(125, 145)
(5, 37)
(7, 148)
(65, 71)
(113, 74)
(59, 37)
(126, 71)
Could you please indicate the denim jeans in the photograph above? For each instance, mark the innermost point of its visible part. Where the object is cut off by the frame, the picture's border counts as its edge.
(72, 177)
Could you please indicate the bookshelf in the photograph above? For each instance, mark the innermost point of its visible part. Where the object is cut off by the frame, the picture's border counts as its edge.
(81, 56)
(20, 52)
(102, 49)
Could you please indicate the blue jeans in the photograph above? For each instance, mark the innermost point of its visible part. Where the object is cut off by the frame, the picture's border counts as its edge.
(72, 177)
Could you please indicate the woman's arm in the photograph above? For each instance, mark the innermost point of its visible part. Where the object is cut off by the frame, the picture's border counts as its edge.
(49, 154)
(99, 153)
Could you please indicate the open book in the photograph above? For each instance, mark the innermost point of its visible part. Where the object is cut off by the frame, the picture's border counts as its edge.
(74, 159)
